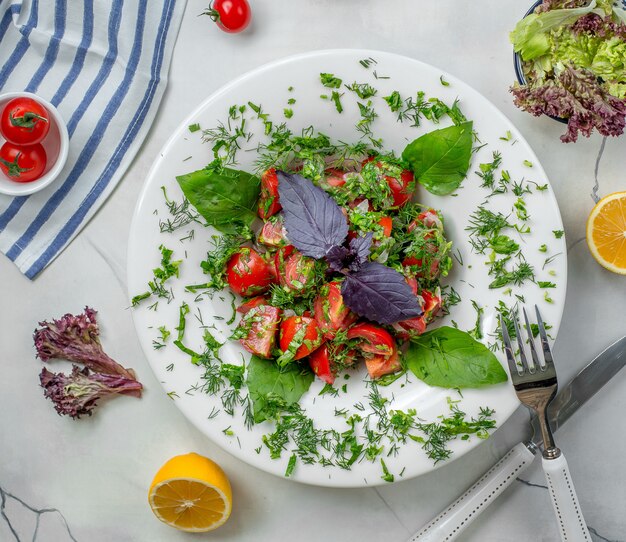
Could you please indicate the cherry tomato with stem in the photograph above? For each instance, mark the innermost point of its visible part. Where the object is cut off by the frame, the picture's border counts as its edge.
(22, 164)
(231, 16)
(24, 121)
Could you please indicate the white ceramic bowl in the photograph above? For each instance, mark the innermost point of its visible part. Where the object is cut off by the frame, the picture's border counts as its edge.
(56, 144)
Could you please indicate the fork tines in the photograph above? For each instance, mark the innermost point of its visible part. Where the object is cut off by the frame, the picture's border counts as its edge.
(525, 367)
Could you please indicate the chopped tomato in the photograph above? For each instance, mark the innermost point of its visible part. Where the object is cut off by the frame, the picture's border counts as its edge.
(268, 202)
(373, 339)
(300, 335)
(412, 282)
(248, 273)
(321, 364)
(402, 188)
(378, 366)
(429, 219)
(280, 258)
(299, 272)
(331, 313)
(257, 330)
(386, 224)
(273, 232)
(432, 303)
(251, 304)
(335, 177)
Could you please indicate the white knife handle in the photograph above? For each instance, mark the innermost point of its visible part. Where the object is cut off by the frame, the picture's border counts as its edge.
(570, 517)
(461, 513)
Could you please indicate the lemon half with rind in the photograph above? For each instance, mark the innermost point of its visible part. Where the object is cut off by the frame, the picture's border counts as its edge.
(606, 232)
(191, 493)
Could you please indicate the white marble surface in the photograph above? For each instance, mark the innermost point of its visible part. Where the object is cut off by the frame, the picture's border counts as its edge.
(64, 480)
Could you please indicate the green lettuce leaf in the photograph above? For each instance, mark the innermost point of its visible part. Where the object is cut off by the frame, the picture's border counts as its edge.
(440, 159)
(225, 197)
(530, 38)
(450, 358)
(269, 385)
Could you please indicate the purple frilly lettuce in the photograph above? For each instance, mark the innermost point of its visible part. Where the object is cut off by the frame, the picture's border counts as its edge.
(77, 394)
(77, 339)
(577, 96)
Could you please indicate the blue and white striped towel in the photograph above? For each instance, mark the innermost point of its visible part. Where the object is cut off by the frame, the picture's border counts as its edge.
(103, 64)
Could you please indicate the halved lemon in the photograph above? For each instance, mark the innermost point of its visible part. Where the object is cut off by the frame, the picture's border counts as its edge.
(191, 493)
(606, 232)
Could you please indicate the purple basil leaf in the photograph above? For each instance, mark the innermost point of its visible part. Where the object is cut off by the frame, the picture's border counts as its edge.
(360, 247)
(380, 294)
(337, 257)
(313, 220)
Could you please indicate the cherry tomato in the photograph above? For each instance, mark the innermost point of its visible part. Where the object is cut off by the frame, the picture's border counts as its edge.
(253, 302)
(280, 258)
(230, 15)
(268, 202)
(321, 364)
(412, 282)
(24, 121)
(300, 334)
(248, 273)
(374, 339)
(299, 272)
(273, 232)
(386, 224)
(257, 330)
(22, 164)
(378, 366)
(331, 314)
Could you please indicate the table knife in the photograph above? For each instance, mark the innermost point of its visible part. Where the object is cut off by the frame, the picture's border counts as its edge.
(461, 513)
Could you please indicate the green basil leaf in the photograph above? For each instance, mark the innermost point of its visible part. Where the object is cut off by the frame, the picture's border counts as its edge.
(440, 159)
(225, 197)
(450, 358)
(266, 382)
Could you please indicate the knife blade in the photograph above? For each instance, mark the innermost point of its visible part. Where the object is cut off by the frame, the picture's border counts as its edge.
(583, 387)
(450, 523)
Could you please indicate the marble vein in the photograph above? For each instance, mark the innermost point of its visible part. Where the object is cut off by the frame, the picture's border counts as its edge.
(39, 512)
(596, 186)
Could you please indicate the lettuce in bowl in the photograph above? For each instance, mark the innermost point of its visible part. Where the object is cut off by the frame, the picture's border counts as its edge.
(573, 60)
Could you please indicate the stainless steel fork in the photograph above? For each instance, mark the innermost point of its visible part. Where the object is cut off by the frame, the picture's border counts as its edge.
(536, 384)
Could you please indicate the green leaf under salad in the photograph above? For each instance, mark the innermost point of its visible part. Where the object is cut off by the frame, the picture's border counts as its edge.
(450, 358)
(268, 384)
(440, 159)
(225, 197)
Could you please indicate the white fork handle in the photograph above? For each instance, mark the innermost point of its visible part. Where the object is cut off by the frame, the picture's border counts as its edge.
(461, 513)
(570, 517)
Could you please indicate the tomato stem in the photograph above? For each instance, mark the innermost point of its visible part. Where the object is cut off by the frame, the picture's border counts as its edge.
(13, 168)
(213, 13)
(28, 120)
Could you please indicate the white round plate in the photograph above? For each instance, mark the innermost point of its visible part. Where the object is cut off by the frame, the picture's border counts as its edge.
(269, 86)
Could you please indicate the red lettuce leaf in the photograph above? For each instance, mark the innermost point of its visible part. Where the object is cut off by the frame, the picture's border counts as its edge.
(578, 96)
(313, 220)
(380, 294)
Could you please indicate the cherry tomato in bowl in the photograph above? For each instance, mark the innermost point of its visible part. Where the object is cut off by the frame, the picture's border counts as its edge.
(24, 121)
(231, 16)
(22, 164)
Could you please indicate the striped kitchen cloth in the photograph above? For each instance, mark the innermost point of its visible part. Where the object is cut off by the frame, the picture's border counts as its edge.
(103, 64)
